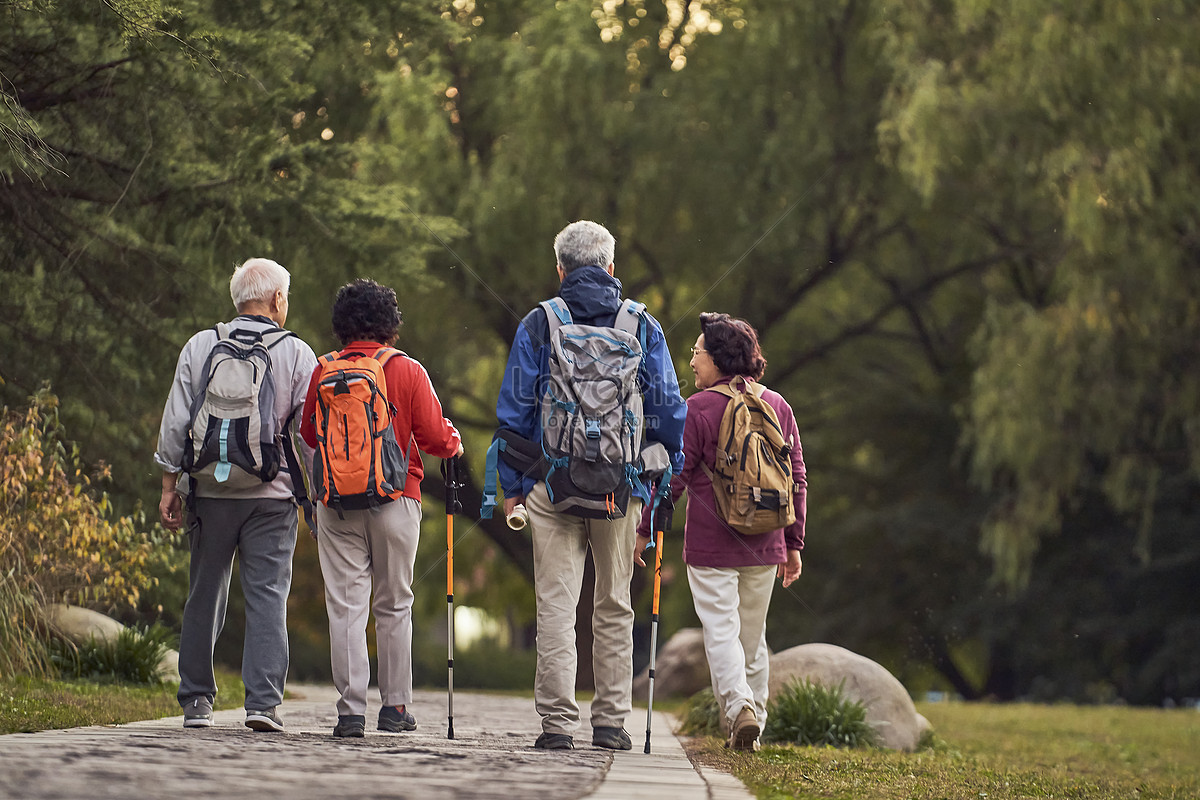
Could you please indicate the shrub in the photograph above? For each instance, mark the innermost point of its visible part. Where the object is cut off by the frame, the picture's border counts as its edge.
(702, 715)
(807, 713)
(132, 657)
(60, 540)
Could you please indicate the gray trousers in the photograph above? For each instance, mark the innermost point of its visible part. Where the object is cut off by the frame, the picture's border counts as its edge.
(370, 552)
(262, 534)
(560, 545)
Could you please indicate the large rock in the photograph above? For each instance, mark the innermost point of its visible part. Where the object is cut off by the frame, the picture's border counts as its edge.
(890, 711)
(680, 668)
(81, 624)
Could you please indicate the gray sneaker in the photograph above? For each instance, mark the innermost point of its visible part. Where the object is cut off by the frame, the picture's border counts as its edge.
(197, 713)
(264, 720)
(554, 741)
(393, 720)
(611, 738)
(350, 726)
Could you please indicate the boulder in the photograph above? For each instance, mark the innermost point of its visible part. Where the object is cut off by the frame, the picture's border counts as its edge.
(81, 624)
(890, 711)
(680, 668)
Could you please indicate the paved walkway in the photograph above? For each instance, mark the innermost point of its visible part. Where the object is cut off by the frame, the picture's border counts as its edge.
(491, 756)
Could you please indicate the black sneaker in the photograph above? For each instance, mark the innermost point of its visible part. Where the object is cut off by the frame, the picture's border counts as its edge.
(198, 713)
(611, 738)
(264, 720)
(554, 741)
(350, 726)
(396, 719)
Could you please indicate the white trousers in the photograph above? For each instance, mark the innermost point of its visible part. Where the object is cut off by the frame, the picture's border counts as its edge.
(560, 545)
(371, 548)
(732, 603)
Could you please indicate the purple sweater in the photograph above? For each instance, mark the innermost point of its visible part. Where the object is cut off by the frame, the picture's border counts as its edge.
(707, 540)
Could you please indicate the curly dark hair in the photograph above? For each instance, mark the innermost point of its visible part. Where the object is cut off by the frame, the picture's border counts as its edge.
(733, 345)
(363, 310)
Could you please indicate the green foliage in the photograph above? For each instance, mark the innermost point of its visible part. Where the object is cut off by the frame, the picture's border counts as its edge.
(807, 713)
(701, 716)
(60, 540)
(486, 664)
(133, 656)
(968, 240)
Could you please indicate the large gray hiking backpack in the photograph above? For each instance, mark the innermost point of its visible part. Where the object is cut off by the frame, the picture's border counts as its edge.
(234, 440)
(591, 413)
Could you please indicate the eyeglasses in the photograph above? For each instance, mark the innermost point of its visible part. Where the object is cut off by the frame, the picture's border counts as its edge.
(697, 351)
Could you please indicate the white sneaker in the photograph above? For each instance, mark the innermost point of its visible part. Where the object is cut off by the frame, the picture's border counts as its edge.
(265, 720)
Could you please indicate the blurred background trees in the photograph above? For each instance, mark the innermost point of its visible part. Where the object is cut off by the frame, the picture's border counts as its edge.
(967, 239)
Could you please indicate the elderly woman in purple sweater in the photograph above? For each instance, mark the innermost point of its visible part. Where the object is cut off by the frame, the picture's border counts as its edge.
(731, 575)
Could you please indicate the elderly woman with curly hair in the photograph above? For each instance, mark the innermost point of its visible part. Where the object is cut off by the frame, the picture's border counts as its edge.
(375, 548)
(732, 575)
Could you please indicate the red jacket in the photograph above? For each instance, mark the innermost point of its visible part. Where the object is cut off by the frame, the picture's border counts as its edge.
(418, 413)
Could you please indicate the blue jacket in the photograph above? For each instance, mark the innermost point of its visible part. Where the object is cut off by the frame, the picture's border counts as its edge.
(593, 297)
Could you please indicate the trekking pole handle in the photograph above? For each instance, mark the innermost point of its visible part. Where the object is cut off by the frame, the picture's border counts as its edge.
(450, 472)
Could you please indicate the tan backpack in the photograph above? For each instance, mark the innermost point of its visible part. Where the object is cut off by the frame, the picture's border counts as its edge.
(752, 477)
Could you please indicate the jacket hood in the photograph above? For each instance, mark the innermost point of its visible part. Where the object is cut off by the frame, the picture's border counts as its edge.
(591, 294)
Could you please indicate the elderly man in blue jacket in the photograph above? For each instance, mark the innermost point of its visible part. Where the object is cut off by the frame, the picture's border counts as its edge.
(584, 254)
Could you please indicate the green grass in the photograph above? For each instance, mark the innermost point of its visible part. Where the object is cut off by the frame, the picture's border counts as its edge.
(37, 704)
(993, 752)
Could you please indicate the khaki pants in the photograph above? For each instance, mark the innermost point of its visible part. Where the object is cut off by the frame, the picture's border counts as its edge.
(560, 544)
(731, 603)
(371, 548)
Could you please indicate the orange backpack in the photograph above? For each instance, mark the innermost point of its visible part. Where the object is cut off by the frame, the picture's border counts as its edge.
(358, 462)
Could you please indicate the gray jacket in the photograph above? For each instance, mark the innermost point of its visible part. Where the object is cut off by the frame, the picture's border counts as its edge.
(292, 365)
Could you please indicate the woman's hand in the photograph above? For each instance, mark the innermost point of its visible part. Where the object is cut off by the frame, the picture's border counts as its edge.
(790, 569)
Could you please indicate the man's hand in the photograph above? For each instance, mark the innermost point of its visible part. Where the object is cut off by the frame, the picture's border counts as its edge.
(790, 570)
(170, 507)
(512, 502)
(642, 543)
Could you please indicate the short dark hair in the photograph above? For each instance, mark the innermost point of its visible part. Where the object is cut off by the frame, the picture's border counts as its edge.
(363, 310)
(733, 345)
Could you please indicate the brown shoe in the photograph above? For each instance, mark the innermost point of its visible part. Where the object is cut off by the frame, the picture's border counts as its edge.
(744, 732)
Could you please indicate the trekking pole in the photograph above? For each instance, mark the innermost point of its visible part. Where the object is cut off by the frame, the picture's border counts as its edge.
(453, 505)
(661, 519)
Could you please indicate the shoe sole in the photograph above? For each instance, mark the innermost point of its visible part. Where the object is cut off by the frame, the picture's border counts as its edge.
(266, 724)
(744, 738)
(199, 722)
(554, 746)
(398, 727)
(353, 733)
(613, 745)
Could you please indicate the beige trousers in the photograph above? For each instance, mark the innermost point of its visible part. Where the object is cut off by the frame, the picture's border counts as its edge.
(560, 545)
(732, 603)
(372, 548)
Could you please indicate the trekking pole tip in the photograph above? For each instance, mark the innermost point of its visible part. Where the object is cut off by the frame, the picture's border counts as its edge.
(647, 750)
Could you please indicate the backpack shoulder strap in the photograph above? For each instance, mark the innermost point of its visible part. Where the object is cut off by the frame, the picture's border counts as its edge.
(274, 336)
(557, 313)
(385, 354)
(631, 318)
(725, 389)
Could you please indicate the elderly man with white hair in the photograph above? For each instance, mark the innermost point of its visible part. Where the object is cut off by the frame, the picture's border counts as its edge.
(589, 295)
(228, 425)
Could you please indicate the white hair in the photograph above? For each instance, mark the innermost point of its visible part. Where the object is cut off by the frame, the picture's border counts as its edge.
(258, 279)
(584, 244)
